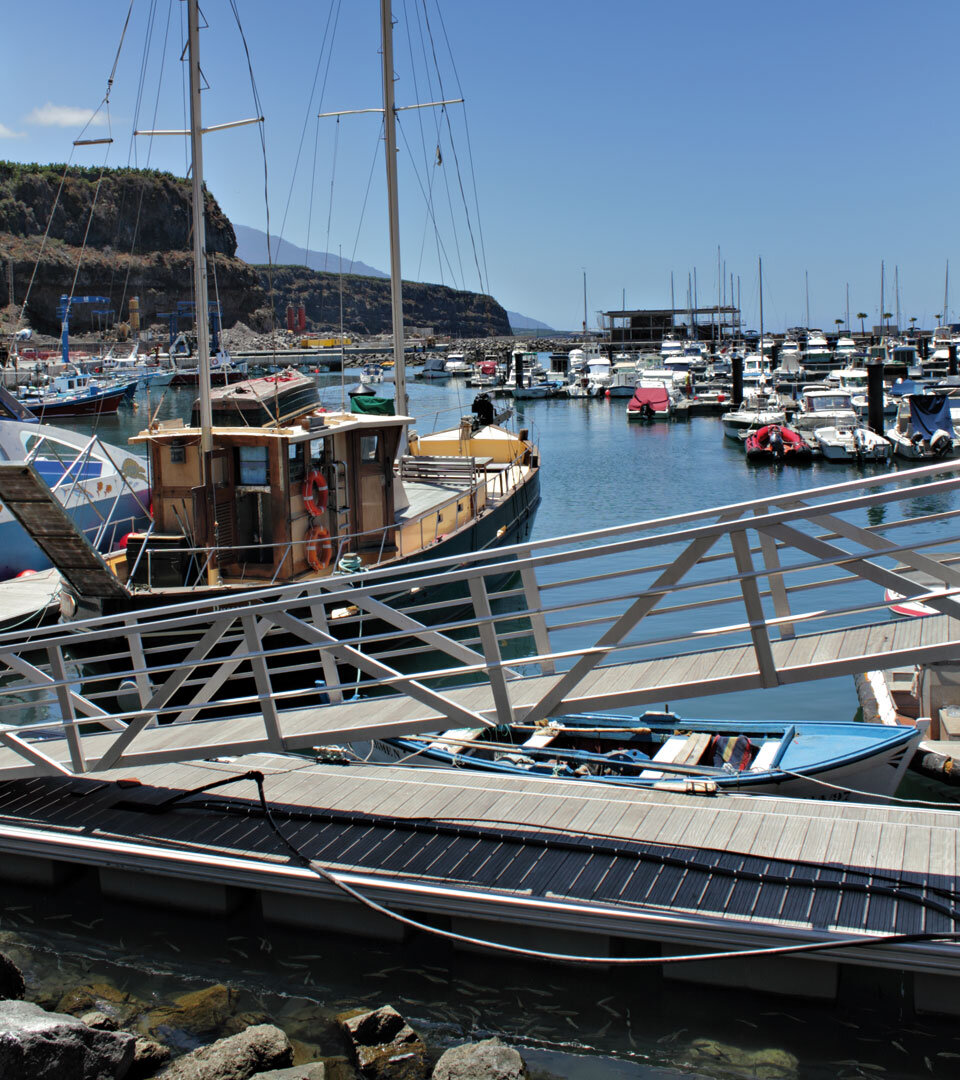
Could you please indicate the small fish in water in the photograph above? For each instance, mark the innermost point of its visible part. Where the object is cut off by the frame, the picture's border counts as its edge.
(265, 945)
(433, 978)
(944, 1053)
(603, 1001)
(311, 956)
(749, 1023)
(292, 964)
(170, 945)
(88, 925)
(54, 918)
(240, 952)
(928, 1063)
(672, 1037)
(611, 1011)
(899, 1046)
(576, 1027)
(236, 937)
(606, 1027)
(539, 993)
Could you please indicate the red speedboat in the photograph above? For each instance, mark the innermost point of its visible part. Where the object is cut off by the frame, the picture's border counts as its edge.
(777, 443)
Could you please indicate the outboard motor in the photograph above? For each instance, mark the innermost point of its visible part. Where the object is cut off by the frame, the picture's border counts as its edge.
(775, 441)
(940, 443)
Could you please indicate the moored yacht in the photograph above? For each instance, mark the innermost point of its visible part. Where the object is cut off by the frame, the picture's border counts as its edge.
(817, 355)
(757, 410)
(824, 408)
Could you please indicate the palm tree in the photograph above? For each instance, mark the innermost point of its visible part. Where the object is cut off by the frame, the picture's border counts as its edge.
(838, 323)
(861, 315)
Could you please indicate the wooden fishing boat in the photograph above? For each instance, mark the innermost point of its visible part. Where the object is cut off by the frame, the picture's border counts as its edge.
(819, 759)
(777, 443)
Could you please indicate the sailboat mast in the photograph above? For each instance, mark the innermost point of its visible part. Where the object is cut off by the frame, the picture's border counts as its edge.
(199, 241)
(806, 281)
(946, 294)
(200, 287)
(584, 303)
(883, 320)
(390, 144)
(848, 307)
(760, 265)
(896, 294)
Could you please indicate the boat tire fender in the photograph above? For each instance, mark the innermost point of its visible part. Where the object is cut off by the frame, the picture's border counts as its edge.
(315, 504)
(319, 549)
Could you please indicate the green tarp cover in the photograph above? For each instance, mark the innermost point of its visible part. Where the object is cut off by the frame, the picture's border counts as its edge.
(372, 405)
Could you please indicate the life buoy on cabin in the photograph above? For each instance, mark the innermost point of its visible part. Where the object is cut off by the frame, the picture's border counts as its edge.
(319, 549)
(315, 481)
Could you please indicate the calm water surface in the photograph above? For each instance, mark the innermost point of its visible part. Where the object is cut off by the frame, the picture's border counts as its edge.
(598, 470)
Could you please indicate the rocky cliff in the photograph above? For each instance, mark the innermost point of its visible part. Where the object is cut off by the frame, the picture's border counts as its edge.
(127, 232)
(366, 304)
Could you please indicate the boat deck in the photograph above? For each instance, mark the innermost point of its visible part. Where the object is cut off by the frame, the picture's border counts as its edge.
(28, 601)
(667, 870)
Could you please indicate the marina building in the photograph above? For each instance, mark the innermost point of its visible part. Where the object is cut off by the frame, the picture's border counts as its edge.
(647, 328)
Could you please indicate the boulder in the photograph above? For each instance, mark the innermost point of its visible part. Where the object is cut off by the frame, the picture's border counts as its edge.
(11, 979)
(313, 1070)
(386, 1047)
(201, 1012)
(100, 1021)
(148, 1057)
(764, 1064)
(256, 1050)
(35, 1044)
(490, 1059)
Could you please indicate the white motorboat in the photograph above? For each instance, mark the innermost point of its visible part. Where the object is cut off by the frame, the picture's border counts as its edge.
(846, 350)
(623, 379)
(817, 355)
(756, 411)
(457, 364)
(852, 444)
(824, 408)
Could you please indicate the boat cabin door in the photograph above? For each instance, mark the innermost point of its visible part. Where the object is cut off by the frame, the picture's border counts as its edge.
(374, 499)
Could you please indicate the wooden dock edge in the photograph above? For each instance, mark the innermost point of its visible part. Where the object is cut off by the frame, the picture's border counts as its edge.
(178, 879)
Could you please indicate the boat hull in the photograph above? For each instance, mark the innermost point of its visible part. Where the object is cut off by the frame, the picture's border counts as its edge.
(870, 770)
(508, 523)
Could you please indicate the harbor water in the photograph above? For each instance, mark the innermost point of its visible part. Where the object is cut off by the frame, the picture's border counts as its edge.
(608, 1024)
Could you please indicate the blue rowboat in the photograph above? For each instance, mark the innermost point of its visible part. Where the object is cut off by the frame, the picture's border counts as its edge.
(818, 759)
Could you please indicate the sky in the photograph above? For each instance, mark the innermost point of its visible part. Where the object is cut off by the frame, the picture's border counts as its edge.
(623, 139)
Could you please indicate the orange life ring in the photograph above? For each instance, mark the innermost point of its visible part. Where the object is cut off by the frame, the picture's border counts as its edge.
(315, 481)
(319, 549)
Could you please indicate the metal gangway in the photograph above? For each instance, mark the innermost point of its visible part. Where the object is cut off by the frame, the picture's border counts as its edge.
(784, 589)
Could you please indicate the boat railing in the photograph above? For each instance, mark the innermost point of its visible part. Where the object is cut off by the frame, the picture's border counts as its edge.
(782, 589)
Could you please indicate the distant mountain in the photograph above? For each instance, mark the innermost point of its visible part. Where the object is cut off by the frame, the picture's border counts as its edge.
(523, 322)
(252, 248)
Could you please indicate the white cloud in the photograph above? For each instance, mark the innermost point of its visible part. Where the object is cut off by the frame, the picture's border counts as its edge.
(51, 115)
(7, 133)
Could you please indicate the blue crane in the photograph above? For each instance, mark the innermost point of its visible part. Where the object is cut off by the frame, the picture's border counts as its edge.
(63, 310)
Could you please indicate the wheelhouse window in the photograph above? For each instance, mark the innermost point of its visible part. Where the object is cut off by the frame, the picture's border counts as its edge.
(295, 459)
(254, 465)
(369, 447)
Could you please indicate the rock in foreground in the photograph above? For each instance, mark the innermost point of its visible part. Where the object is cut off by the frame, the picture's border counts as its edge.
(490, 1059)
(36, 1044)
(256, 1050)
(387, 1048)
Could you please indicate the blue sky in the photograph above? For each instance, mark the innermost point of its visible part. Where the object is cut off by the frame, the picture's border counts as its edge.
(624, 137)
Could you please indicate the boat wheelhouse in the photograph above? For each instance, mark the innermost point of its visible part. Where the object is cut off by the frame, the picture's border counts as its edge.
(824, 408)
